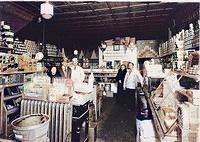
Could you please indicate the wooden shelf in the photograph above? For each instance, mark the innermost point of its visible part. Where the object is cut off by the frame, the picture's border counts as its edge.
(11, 85)
(147, 57)
(53, 57)
(19, 72)
(12, 97)
(184, 94)
(114, 72)
(13, 110)
(170, 53)
(6, 48)
(5, 113)
(103, 76)
(193, 47)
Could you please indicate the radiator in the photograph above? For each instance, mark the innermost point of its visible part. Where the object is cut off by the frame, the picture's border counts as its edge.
(60, 117)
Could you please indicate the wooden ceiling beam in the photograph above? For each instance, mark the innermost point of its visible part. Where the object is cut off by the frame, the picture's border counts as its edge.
(119, 24)
(132, 4)
(74, 9)
(125, 31)
(145, 17)
(116, 14)
(111, 11)
(107, 9)
(74, 4)
(95, 13)
(107, 20)
(113, 7)
(129, 12)
(124, 23)
(101, 9)
(119, 7)
(72, 15)
(118, 27)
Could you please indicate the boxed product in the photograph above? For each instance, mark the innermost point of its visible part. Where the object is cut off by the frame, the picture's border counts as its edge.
(25, 63)
(38, 88)
(8, 62)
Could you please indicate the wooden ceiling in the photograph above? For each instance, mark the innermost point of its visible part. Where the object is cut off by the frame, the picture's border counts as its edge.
(104, 19)
(84, 24)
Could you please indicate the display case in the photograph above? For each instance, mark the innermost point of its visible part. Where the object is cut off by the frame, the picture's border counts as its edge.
(167, 101)
(105, 78)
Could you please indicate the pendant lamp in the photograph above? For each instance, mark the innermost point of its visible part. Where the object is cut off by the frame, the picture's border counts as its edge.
(46, 10)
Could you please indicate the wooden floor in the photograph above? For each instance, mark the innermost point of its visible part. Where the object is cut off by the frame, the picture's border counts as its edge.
(115, 123)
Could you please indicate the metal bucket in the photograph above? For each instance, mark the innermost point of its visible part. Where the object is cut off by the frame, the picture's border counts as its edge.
(31, 128)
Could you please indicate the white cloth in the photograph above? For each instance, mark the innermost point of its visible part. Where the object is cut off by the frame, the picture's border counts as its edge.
(131, 79)
(77, 75)
(80, 99)
(85, 87)
(145, 131)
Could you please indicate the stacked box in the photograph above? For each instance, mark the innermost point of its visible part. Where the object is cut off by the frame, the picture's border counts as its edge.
(19, 47)
(31, 46)
(6, 35)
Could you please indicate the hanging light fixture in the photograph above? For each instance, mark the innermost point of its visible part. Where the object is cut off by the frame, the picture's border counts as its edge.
(46, 10)
(76, 52)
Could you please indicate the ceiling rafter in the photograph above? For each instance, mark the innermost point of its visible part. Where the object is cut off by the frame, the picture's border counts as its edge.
(74, 9)
(107, 20)
(120, 24)
(155, 28)
(129, 14)
(145, 17)
(107, 16)
(111, 11)
(95, 13)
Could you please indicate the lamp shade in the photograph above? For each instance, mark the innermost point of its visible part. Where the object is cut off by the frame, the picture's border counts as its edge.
(75, 52)
(39, 56)
(46, 10)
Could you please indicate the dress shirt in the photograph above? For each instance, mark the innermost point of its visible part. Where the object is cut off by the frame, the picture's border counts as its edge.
(132, 78)
(77, 75)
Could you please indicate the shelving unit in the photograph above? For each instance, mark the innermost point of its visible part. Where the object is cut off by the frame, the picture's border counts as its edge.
(147, 57)
(11, 85)
(167, 54)
(174, 52)
(105, 78)
(10, 101)
(13, 112)
(52, 56)
(19, 72)
(12, 97)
